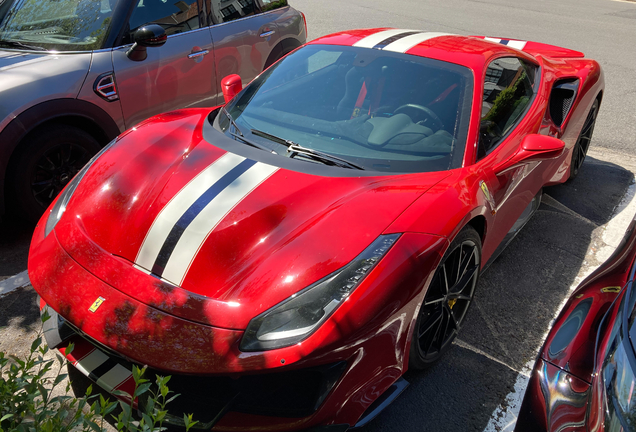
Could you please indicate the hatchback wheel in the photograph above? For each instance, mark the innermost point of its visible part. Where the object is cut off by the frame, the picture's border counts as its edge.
(49, 158)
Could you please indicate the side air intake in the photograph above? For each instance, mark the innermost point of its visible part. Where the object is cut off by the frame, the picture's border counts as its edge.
(562, 99)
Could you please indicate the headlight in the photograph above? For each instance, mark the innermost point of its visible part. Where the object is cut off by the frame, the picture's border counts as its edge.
(65, 196)
(300, 315)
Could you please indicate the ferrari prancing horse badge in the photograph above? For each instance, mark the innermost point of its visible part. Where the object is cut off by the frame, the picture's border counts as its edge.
(96, 304)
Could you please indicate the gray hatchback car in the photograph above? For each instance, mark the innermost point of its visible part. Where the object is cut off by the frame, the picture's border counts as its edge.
(76, 73)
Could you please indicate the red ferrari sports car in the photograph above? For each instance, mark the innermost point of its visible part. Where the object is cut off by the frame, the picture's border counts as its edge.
(585, 376)
(288, 256)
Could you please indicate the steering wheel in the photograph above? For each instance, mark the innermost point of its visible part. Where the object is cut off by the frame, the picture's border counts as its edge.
(435, 123)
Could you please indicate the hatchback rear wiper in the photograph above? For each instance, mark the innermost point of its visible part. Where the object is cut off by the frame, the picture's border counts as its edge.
(297, 149)
(16, 44)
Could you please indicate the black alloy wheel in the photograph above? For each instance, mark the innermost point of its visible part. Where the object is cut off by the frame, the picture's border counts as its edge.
(49, 158)
(447, 300)
(579, 152)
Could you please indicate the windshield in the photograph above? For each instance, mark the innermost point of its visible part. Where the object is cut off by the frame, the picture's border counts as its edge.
(59, 25)
(379, 110)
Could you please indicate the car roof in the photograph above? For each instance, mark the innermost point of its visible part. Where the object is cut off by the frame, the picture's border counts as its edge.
(469, 51)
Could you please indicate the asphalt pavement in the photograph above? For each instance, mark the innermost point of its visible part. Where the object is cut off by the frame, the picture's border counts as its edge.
(481, 380)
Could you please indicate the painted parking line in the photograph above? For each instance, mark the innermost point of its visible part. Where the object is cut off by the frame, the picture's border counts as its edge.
(504, 418)
(14, 282)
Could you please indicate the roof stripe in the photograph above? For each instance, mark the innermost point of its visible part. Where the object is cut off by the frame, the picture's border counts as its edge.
(517, 44)
(392, 39)
(376, 38)
(406, 43)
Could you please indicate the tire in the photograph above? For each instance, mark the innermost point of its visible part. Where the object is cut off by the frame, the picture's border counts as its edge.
(48, 159)
(579, 152)
(445, 304)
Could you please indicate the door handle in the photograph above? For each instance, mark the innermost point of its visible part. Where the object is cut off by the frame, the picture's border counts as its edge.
(267, 33)
(198, 54)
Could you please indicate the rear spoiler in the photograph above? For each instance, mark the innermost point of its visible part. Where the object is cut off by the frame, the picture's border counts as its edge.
(536, 48)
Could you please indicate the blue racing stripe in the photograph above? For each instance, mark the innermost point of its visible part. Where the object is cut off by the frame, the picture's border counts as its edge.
(196, 208)
(392, 39)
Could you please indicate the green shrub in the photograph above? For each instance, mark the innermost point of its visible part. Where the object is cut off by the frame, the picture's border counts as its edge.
(29, 399)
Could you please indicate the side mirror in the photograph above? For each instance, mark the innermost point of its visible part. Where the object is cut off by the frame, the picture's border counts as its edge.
(150, 35)
(534, 148)
(231, 86)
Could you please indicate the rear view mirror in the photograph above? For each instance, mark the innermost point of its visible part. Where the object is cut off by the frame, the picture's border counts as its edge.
(150, 35)
(534, 148)
(231, 86)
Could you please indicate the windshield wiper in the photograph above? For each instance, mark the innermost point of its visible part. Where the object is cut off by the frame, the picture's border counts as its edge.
(232, 122)
(16, 44)
(253, 144)
(297, 149)
(239, 135)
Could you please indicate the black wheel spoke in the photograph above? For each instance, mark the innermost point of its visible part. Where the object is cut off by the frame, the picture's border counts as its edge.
(445, 279)
(432, 302)
(48, 182)
(459, 297)
(466, 262)
(436, 337)
(429, 325)
(453, 320)
(465, 281)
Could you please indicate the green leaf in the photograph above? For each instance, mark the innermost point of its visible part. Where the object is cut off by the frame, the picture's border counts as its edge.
(59, 379)
(45, 315)
(121, 393)
(173, 398)
(69, 348)
(36, 343)
(94, 426)
(187, 419)
(141, 390)
(5, 417)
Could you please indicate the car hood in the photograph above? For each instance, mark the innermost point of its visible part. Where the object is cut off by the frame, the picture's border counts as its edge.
(220, 227)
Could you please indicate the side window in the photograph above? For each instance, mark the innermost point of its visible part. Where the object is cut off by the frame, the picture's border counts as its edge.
(229, 10)
(174, 17)
(267, 5)
(508, 89)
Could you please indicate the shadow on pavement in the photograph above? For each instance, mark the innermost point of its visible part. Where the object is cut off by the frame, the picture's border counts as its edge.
(515, 302)
(15, 237)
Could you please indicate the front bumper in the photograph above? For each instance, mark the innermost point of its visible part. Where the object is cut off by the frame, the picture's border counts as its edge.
(288, 395)
(127, 331)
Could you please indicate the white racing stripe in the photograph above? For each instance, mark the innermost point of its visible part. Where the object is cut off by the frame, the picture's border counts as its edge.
(114, 377)
(197, 232)
(91, 362)
(376, 38)
(408, 42)
(517, 44)
(171, 213)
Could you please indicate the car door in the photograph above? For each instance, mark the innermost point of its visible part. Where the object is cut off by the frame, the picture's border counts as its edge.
(244, 33)
(179, 74)
(509, 88)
